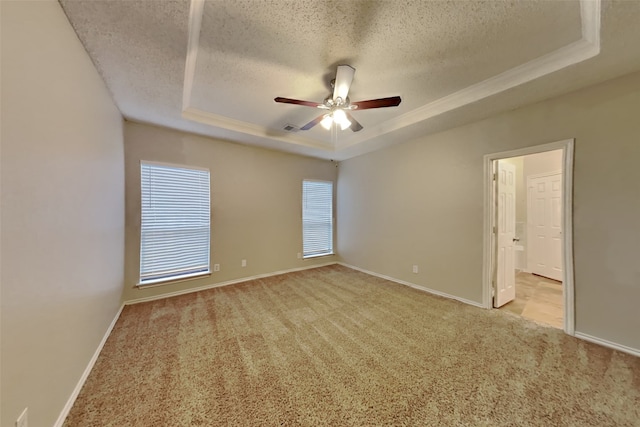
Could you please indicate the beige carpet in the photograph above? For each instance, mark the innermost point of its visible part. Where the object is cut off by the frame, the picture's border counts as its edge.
(336, 347)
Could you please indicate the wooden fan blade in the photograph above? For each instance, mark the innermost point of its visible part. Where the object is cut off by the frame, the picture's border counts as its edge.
(297, 102)
(393, 101)
(355, 125)
(344, 77)
(313, 122)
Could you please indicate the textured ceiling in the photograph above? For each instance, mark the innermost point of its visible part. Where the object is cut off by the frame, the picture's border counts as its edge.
(214, 67)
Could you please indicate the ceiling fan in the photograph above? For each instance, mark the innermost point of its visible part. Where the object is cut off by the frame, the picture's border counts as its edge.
(338, 105)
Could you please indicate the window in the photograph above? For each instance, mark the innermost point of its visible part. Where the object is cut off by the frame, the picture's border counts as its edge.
(317, 218)
(175, 222)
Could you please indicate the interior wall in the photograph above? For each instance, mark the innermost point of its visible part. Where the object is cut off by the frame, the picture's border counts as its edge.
(421, 203)
(256, 204)
(62, 204)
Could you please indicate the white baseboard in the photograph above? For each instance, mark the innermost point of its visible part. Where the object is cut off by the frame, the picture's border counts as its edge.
(87, 371)
(76, 391)
(219, 284)
(610, 344)
(586, 337)
(413, 285)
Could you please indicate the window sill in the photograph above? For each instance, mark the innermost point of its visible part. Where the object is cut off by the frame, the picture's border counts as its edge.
(317, 255)
(172, 280)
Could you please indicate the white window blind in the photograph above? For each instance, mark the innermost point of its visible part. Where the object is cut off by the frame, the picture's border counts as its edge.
(175, 228)
(317, 218)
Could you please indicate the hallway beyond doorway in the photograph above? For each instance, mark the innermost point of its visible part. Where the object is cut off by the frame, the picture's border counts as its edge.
(538, 299)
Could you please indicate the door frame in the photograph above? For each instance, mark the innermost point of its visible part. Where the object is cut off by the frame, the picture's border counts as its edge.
(489, 238)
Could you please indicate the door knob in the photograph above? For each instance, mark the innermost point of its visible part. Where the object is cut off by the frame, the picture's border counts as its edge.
(515, 239)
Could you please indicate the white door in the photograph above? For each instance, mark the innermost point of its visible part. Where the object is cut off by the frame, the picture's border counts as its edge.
(506, 233)
(544, 216)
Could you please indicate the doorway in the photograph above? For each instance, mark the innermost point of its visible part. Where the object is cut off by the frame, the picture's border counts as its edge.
(528, 262)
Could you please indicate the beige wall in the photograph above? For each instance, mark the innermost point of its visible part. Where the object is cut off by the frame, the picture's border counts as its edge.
(256, 202)
(422, 203)
(62, 202)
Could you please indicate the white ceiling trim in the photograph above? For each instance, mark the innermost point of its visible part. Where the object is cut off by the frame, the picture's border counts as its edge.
(587, 47)
(590, 15)
(196, 10)
(228, 123)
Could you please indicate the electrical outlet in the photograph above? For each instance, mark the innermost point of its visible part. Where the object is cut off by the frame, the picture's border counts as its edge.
(22, 419)
(244, 262)
(415, 269)
(216, 267)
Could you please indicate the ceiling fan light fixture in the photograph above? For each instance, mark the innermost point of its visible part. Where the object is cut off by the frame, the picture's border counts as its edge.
(327, 121)
(340, 117)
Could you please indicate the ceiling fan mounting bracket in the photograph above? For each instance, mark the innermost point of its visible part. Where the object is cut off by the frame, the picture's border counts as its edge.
(333, 104)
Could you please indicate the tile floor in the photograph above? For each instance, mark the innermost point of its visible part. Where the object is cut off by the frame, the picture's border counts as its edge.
(538, 299)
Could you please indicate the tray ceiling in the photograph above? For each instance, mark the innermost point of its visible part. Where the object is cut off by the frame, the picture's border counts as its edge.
(214, 67)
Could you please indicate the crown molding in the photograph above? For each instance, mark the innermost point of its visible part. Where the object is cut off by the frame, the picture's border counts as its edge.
(586, 47)
(197, 115)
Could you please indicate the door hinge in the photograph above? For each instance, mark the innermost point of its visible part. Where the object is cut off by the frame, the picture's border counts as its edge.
(494, 230)
(495, 176)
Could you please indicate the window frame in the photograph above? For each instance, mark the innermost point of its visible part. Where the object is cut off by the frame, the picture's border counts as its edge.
(167, 279)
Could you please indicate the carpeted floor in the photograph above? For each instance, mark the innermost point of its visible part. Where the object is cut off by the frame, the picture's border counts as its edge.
(332, 346)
